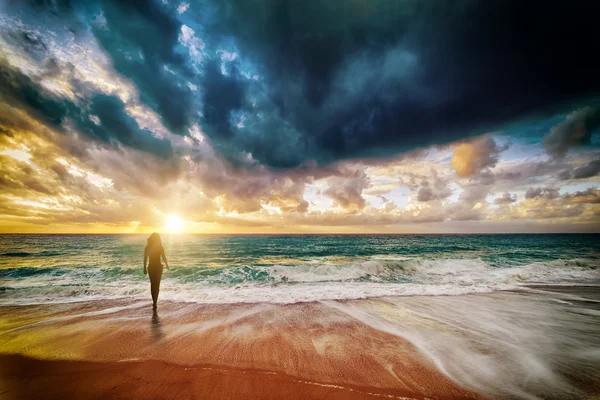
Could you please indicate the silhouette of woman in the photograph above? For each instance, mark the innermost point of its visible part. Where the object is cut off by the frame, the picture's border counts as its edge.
(154, 251)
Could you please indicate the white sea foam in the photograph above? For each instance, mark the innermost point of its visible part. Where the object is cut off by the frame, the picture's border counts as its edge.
(298, 283)
(504, 345)
(324, 273)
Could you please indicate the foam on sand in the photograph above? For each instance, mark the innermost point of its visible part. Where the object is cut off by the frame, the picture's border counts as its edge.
(541, 343)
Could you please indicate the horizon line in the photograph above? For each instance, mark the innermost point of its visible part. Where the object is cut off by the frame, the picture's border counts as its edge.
(294, 233)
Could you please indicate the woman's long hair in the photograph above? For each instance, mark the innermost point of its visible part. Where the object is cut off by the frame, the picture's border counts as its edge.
(154, 242)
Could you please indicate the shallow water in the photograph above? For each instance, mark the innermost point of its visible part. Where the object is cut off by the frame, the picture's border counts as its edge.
(511, 345)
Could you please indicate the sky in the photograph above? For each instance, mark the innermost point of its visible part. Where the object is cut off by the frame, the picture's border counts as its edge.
(286, 116)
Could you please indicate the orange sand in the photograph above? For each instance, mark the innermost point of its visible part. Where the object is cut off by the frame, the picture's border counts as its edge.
(253, 351)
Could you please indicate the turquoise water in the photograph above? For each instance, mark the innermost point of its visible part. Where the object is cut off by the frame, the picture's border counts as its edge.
(290, 268)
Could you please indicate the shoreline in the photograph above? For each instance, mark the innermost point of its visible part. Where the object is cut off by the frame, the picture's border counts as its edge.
(296, 351)
(415, 347)
(588, 289)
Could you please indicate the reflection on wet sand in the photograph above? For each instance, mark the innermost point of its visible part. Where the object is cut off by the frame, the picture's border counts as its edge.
(155, 327)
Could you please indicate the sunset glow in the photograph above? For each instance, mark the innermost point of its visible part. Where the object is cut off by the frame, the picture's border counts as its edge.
(101, 126)
(299, 199)
(173, 224)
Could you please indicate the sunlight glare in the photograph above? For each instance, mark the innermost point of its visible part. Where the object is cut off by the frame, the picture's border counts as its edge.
(173, 223)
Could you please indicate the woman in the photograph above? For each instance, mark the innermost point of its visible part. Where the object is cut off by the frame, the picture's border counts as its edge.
(154, 251)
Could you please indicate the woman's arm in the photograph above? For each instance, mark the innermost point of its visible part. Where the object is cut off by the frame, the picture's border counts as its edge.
(145, 261)
(162, 253)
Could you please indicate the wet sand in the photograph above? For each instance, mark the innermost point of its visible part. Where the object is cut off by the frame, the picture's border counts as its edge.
(246, 351)
(538, 342)
(32, 378)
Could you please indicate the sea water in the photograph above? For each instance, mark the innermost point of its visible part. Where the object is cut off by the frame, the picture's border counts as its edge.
(509, 316)
(289, 268)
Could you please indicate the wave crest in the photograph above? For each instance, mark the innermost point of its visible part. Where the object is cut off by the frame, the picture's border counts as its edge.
(288, 284)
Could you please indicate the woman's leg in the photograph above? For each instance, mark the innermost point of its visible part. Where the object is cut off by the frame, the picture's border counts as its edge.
(155, 275)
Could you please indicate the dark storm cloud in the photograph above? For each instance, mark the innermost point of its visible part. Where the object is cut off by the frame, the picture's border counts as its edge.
(575, 130)
(357, 78)
(140, 37)
(19, 90)
(587, 171)
(346, 78)
(113, 125)
(222, 95)
(116, 125)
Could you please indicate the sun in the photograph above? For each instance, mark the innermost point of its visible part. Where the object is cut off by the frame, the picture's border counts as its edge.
(173, 223)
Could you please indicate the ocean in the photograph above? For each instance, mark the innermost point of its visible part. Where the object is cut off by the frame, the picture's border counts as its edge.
(508, 316)
(290, 268)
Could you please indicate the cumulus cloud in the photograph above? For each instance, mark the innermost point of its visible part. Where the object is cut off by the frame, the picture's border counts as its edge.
(433, 188)
(578, 208)
(425, 194)
(543, 192)
(591, 196)
(575, 130)
(506, 198)
(472, 157)
(346, 191)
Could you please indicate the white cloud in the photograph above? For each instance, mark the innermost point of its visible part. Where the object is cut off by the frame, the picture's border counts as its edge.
(226, 56)
(166, 68)
(95, 119)
(183, 7)
(195, 45)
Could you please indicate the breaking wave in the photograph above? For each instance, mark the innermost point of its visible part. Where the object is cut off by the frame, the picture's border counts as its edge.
(375, 277)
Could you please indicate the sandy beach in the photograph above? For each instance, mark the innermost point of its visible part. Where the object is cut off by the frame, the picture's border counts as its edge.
(31, 378)
(262, 351)
(421, 347)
